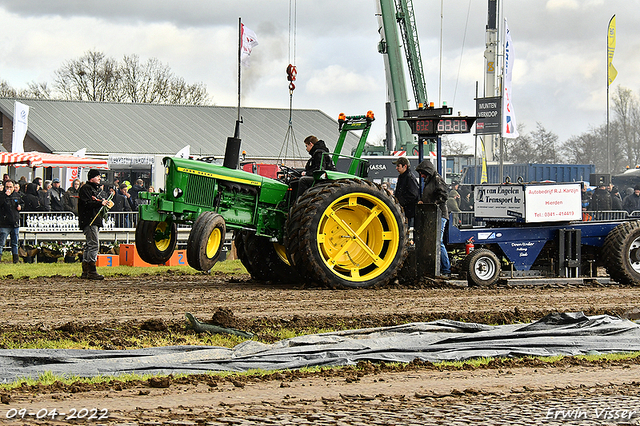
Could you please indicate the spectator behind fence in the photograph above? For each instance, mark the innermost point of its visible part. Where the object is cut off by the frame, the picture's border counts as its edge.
(616, 200)
(10, 206)
(70, 197)
(124, 191)
(43, 194)
(600, 200)
(120, 204)
(139, 186)
(31, 199)
(631, 202)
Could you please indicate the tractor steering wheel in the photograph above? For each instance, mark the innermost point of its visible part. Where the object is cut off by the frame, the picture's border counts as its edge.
(287, 174)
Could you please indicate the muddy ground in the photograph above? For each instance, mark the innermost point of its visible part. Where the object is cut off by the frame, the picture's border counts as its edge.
(112, 312)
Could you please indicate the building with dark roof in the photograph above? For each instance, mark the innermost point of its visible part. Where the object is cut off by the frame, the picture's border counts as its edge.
(135, 137)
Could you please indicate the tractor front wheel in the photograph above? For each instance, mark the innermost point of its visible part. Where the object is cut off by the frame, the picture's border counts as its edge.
(155, 241)
(205, 242)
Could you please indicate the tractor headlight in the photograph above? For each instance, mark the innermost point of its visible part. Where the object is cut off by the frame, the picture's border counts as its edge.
(177, 192)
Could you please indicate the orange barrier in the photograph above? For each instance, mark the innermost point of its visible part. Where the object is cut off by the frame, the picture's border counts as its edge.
(108, 260)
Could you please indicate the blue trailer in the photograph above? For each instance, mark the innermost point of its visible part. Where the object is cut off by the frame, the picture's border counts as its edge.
(523, 241)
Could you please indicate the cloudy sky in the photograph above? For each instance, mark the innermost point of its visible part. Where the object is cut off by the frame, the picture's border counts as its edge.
(559, 70)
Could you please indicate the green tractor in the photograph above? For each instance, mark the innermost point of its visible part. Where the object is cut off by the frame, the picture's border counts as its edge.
(343, 231)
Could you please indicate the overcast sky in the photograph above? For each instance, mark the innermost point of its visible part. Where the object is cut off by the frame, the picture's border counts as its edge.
(559, 68)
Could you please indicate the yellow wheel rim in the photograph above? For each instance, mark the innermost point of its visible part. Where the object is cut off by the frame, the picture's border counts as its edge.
(281, 252)
(358, 237)
(213, 243)
(163, 243)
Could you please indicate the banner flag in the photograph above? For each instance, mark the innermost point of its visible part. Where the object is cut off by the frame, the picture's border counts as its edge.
(509, 128)
(483, 177)
(184, 152)
(20, 125)
(249, 41)
(611, 47)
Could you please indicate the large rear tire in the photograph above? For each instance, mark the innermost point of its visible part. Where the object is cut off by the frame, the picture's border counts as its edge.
(482, 267)
(155, 241)
(268, 261)
(205, 241)
(347, 233)
(621, 252)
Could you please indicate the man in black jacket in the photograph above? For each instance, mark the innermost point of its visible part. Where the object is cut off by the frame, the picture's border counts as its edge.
(407, 191)
(435, 191)
(56, 193)
(89, 206)
(10, 207)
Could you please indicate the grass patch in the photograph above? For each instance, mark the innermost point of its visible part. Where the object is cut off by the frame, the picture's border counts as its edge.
(33, 270)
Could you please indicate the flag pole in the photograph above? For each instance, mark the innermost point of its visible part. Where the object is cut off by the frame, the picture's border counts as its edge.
(236, 133)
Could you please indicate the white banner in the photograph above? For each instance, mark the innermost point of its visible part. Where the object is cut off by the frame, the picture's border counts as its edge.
(72, 173)
(20, 124)
(509, 129)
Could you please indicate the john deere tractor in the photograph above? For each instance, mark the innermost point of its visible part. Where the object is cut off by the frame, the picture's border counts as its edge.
(343, 231)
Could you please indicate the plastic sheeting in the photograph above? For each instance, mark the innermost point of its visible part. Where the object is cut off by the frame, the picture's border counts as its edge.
(443, 340)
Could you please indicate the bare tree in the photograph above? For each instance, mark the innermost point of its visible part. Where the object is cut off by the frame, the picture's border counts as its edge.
(96, 77)
(627, 123)
(454, 146)
(6, 91)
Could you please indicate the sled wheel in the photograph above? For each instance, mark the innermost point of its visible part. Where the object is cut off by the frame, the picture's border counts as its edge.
(621, 251)
(155, 241)
(482, 267)
(347, 233)
(268, 260)
(205, 241)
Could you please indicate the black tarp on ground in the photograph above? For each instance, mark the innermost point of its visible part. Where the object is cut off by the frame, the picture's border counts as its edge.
(443, 340)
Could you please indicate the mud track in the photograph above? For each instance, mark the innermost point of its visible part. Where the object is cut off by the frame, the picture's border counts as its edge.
(109, 312)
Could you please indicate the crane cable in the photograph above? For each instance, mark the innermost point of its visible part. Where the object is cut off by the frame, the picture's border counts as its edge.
(290, 138)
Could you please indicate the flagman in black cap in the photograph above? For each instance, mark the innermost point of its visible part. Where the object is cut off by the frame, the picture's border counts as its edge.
(89, 206)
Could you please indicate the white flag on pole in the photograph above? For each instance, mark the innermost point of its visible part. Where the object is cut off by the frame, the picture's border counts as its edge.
(509, 129)
(249, 41)
(184, 152)
(20, 124)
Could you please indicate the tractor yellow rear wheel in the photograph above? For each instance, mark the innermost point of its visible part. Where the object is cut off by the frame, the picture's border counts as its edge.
(348, 233)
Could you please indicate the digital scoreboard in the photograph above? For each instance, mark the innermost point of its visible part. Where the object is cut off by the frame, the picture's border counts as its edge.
(437, 121)
(442, 126)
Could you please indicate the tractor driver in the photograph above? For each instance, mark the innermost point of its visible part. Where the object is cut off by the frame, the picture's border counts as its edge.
(319, 160)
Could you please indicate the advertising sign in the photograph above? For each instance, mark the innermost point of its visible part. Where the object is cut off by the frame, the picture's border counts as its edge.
(528, 203)
(553, 203)
(503, 202)
(488, 111)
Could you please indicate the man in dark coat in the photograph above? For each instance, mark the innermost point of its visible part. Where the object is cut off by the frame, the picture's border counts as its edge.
(407, 191)
(616, 199)
(631, 202)
(31, 199)
(600, 200)
(435, 192)
(10, 206)
(56, 193)
(70, 197)
(89, 206)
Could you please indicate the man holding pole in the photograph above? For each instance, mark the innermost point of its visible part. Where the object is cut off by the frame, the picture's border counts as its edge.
(90, 205)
